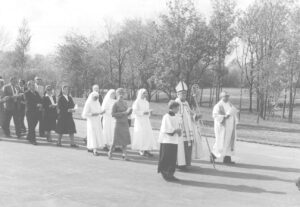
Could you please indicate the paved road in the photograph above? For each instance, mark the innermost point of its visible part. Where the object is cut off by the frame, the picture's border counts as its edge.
(45, 175)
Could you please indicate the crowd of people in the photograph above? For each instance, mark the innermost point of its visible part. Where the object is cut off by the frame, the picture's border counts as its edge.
(108, 122)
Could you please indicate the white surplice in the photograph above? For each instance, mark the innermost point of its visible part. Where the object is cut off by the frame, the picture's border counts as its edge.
(108, 120)
(94, 130)
(143, 138)
(187, 126)
(225, 129)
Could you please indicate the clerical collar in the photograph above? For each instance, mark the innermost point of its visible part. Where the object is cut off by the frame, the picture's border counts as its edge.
(171, 113)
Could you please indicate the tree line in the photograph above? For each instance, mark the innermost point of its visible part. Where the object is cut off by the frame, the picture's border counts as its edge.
(255, 49)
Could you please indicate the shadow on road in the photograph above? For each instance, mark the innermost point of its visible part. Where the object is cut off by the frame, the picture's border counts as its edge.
(259, 167)
(235, 188)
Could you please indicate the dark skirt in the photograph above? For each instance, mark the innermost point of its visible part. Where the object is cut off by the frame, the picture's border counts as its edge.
(65, 124)
(121, 133)
(49, 120)
(1, 114)
(167, 159)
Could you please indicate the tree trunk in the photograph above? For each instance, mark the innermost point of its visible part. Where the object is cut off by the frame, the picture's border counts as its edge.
(291, 96)
(284, 104)
(250, 98)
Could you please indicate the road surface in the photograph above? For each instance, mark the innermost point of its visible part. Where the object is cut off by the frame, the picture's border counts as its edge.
(48, 176)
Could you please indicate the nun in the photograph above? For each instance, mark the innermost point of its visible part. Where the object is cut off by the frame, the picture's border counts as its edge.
(108, 120)
(143, 138)
(92, 113)
(120, 113)
(65, 122)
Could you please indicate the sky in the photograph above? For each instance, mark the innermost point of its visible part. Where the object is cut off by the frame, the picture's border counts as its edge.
(51, 20)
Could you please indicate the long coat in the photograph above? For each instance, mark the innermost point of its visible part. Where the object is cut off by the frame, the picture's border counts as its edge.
(65, 122)
(50, 114)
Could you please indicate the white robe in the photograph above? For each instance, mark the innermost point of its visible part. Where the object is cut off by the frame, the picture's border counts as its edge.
(185, 115)
(108, 123)
(225, 129)
(143, 138)
(94, 129)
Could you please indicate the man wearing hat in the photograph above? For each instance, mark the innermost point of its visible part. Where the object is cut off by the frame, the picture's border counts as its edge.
(184, 155)
(225, 117)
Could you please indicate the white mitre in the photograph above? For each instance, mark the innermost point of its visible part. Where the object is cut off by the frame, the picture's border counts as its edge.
(181, 87)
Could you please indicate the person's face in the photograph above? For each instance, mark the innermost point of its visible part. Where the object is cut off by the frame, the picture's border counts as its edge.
(31, 86)
(21, 84)
(225, 99)
(96, 89)
(113, 95)
(182, 95)
(38, 81)
(13, 81)
(121, 95)
(175, 110)
(144, 95)
(65, 90)
(49, 91)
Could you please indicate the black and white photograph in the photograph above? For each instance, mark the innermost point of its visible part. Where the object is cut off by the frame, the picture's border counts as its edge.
(149, 103)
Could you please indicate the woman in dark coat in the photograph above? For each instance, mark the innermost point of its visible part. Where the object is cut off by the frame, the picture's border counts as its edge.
(50, 112)
(65, 122)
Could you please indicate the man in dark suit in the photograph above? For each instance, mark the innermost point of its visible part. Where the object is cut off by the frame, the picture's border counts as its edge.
(33, 103)
(11, 95)
(21, 104)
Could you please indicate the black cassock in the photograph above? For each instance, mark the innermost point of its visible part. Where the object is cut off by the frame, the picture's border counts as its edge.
(65, 122)
(50, 114)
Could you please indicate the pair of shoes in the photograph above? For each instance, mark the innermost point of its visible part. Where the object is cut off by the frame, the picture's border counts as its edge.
(89, 150)
(96, 153)
(149, 154)
(33, 142)
(142, 153)
(125, 158)
(58, 144)
(73, 145)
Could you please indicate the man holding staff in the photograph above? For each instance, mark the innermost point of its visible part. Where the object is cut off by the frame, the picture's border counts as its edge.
(188, 117)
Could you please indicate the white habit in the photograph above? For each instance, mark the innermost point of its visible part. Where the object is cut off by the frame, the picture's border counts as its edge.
(225, 129)
(108, 120)
(94, 129)
(143, 138)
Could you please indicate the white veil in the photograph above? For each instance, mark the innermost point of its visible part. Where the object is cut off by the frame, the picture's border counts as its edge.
(91, 105)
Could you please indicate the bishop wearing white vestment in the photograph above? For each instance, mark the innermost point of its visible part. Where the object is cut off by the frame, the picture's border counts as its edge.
(185, 142)
(225, 121)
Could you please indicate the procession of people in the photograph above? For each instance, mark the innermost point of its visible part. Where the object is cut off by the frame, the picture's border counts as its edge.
(108, 123)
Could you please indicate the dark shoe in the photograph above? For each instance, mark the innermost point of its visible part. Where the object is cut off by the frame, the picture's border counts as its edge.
(74, 146)
(89, 150)
(174, 179)
(227, 160)
(183, 168)
(58, 144)
(33, 143)
(95, 153)
(149, 154)
(105, 149)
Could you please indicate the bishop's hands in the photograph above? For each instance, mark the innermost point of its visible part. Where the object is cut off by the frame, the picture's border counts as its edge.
(178, 131)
